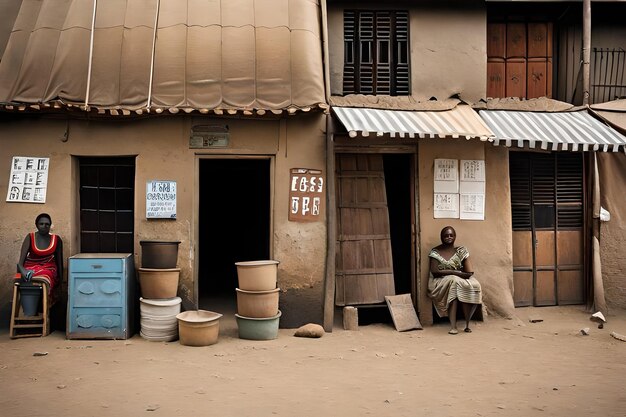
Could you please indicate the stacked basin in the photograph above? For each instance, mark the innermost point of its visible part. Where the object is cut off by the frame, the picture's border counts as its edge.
(257, 300)
(158, 280)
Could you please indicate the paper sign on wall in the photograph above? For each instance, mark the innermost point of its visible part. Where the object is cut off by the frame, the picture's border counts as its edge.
(28, 182)
(161, 200)
(446, 206)
(446, 176)
(306, 194)
(459, 191)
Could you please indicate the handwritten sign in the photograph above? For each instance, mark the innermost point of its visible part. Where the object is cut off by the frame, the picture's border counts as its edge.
(306, 195)
(29, 180)
(161, 200)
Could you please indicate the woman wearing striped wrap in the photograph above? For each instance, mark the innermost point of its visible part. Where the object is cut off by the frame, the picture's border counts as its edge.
(451, 280)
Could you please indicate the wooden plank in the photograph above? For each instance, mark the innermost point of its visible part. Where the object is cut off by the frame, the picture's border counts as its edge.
(403, 312)
(537, 81)
(523, 288)
(569, 247)
(571, 287)
(522, 249)
(538, 40)
(545, 249)
(516, 40)
(496, 40)
(545, 294)
(496, 78)
(516, 78)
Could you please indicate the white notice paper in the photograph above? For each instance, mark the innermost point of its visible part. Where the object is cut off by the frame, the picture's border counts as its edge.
(28, 180)
(472, 206)
(446, 206)
(446, 176)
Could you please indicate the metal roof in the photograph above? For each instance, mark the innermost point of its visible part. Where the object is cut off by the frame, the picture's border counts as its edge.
(460, 121)
(555, 131)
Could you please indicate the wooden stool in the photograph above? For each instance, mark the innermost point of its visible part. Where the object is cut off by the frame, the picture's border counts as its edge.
(30, 326)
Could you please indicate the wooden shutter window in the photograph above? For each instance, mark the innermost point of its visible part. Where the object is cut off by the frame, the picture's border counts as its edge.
(376, 52)
(519, 59)
(520, 192)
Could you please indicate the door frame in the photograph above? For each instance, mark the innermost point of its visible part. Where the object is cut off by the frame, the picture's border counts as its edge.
(345, 145)
(195, 229)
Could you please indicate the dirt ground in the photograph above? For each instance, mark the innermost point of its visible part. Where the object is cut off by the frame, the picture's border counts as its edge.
(502, 368)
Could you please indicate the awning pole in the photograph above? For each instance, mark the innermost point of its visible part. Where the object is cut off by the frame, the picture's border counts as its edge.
(93, 28)
(586, 49)
(156, 23)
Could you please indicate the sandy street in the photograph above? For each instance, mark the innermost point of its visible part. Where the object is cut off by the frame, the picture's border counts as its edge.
(503, 368)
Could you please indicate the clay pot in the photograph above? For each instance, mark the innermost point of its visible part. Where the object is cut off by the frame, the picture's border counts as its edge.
(198, 328)
(257, 275)
(257, 304)
(158, 283)
(158, 254)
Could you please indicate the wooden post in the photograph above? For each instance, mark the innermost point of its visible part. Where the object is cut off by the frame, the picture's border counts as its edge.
(350, 318)
(331, 227)
(586, 49)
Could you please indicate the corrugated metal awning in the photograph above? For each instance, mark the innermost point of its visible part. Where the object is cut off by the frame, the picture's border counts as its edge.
(460, 121)
(556, 131)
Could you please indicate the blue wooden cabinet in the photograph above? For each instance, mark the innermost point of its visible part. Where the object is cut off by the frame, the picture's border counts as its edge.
(101, 296)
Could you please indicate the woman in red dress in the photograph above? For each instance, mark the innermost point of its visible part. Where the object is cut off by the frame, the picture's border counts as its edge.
(41, 257)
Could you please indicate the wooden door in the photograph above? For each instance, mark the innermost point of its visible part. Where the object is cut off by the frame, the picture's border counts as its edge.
(364, 267)
(547, 214)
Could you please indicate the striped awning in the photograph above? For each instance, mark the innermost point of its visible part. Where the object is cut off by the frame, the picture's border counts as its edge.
(459, 122)
(555, 131)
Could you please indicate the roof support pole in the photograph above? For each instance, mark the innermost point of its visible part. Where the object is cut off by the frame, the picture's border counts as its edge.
(331, 227)
(156, 24)
(586, 49)
(93, 27)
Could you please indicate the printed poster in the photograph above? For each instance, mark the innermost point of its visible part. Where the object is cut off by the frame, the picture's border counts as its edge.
(28, 181)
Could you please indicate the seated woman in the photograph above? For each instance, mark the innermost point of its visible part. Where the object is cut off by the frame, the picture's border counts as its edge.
(41, 257)
(451, 282)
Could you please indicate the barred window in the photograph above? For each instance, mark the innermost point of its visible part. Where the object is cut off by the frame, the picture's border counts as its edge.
(376, 58)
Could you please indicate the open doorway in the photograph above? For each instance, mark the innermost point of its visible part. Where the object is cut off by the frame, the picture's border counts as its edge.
(376, 220)
(234, 225)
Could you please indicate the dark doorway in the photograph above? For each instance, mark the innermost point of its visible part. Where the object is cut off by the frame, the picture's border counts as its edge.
(234, 223)
(399, 198)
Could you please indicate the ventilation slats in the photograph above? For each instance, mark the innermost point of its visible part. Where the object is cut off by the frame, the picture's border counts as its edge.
(546, 180)
(376, 52)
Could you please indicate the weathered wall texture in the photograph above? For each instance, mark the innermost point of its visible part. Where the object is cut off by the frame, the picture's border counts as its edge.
(440, 34)
(612, 170)
(162, 150)
(488, 241)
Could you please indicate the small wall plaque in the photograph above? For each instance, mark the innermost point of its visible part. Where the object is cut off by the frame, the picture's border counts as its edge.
(206, 137)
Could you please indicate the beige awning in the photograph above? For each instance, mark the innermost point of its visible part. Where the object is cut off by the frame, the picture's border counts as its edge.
(461, 121)
(216, 55)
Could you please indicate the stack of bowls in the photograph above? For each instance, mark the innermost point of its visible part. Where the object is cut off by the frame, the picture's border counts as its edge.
(158, 319)
(158, 280)
(257, 300)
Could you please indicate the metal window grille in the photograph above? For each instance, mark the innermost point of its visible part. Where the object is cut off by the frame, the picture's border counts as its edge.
(107, 200)
(608, 80)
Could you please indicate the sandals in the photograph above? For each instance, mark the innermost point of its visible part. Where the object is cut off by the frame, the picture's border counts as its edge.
(467, 330)
(453, 331)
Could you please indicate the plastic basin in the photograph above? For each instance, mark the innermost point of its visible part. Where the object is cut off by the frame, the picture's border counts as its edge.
(253, 328)
(198, 327)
